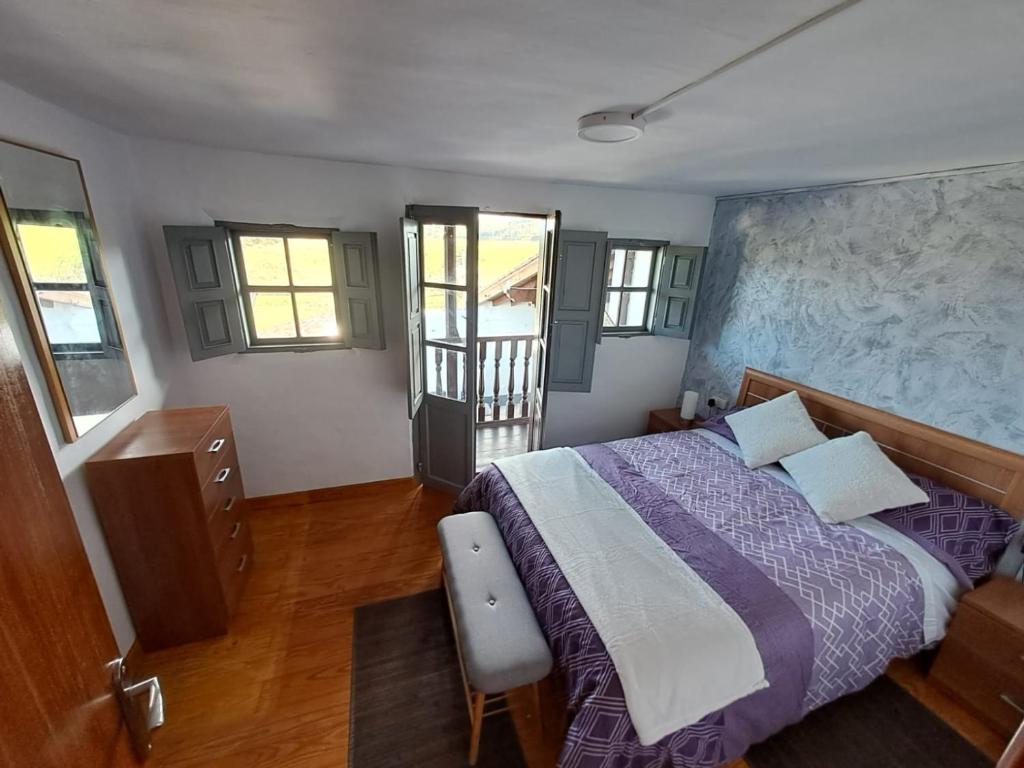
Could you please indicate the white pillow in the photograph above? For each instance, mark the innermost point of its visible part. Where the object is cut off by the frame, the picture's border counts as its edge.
(771, 430)
(850, 477)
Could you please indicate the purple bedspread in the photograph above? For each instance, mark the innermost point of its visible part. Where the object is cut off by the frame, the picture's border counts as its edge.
(828, 606)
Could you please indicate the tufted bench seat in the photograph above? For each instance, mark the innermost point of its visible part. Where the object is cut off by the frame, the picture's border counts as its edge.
(499, 642)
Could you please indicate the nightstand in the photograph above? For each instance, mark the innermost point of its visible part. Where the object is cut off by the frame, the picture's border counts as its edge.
(667, 420)
(981, 661)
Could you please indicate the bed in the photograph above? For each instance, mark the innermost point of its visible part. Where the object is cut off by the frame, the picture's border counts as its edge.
(828, 606)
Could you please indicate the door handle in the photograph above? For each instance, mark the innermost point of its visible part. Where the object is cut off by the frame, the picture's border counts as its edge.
(155, 701)
(142, 707)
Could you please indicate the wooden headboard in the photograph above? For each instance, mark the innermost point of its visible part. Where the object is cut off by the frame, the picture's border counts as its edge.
(966, 465)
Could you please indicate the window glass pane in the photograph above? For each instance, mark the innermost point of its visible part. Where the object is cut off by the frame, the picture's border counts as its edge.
(316, 314)
(444, 315)
(52, 254)
(311, 261)
(264, 260)
(69, 317)
(631, 310)
(508, 251)
(637, 268)
(615, 266)
(446, 373)
(444, 254)
(630, 268)
(272, 315)
(611, 309)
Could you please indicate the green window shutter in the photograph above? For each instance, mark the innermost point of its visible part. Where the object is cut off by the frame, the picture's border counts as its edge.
(358, 278)
(677, 290)
(205, 280)
(580, 274)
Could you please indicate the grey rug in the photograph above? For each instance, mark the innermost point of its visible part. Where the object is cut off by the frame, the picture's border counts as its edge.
(882, 726)
(408, 708)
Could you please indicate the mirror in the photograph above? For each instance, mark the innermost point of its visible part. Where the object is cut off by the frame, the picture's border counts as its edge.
(52, 249)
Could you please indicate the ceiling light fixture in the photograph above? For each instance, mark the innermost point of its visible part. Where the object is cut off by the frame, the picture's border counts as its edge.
(617, 127)
(610, 127)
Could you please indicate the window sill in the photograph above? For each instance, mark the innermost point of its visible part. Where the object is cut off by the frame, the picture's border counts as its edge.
(295, 347)
(624, 334)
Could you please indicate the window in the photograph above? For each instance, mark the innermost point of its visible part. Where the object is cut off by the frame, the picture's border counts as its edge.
(288, 285)
(245, 287)
(61, 271)
(629, 285)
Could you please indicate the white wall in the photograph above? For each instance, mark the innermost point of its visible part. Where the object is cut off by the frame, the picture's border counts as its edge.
(106, 162)
(631, 377)
(330, 418)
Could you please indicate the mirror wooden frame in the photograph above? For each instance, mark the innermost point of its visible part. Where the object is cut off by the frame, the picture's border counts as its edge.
(33, 315)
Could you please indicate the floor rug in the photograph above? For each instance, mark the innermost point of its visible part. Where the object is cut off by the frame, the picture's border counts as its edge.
(408, 707)
(882, 726)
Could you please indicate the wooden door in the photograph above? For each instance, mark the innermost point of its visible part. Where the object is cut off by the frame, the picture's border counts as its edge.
(57, 709)
(546, 270)
(448, 264)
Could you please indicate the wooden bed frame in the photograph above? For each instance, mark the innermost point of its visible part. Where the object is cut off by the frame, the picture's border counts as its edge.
(963, 464)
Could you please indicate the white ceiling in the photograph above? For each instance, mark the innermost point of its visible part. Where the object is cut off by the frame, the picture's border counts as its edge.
(886, 88)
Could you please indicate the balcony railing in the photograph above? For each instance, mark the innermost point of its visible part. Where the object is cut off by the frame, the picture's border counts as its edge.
(504, 378)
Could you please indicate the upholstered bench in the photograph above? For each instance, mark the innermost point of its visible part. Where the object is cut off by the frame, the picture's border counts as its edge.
(499, 643)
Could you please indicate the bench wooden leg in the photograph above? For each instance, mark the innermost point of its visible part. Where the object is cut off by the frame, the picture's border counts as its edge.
(477, 723)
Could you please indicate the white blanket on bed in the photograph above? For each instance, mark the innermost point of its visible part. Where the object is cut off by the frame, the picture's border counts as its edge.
(680, 650)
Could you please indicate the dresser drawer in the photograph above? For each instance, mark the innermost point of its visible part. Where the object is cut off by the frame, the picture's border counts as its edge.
(224, 482)
(227, 511)
(210, 453)
(234, 564)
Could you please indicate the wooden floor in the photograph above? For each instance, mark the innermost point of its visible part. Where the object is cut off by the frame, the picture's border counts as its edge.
(500, 441)
(275, 691)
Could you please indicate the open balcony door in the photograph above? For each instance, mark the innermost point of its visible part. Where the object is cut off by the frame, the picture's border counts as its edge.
(440, 261)
(58, 708)
(545, 281)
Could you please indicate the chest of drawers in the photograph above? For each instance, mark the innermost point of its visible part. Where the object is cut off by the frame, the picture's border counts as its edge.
(169, 495)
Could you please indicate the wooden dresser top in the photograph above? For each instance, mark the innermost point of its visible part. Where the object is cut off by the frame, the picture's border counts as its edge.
(162, 433)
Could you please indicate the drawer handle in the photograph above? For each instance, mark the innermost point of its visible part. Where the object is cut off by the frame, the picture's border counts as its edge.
(241, 563)
(1009, 700)
(222, 475)
(216, 445)
(230, 503)
(236, 530)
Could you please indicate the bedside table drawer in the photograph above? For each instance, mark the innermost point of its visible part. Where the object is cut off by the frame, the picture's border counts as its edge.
(667, 420)
(981, 685)
(1000, 647)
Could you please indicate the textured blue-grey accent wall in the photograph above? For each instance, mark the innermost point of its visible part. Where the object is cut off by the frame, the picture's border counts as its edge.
(907, 296)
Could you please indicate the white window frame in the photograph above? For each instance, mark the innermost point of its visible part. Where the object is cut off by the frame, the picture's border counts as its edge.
(255, 343)
(649, 290)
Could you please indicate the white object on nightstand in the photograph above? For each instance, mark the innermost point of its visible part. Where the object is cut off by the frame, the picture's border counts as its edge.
(689, 407)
